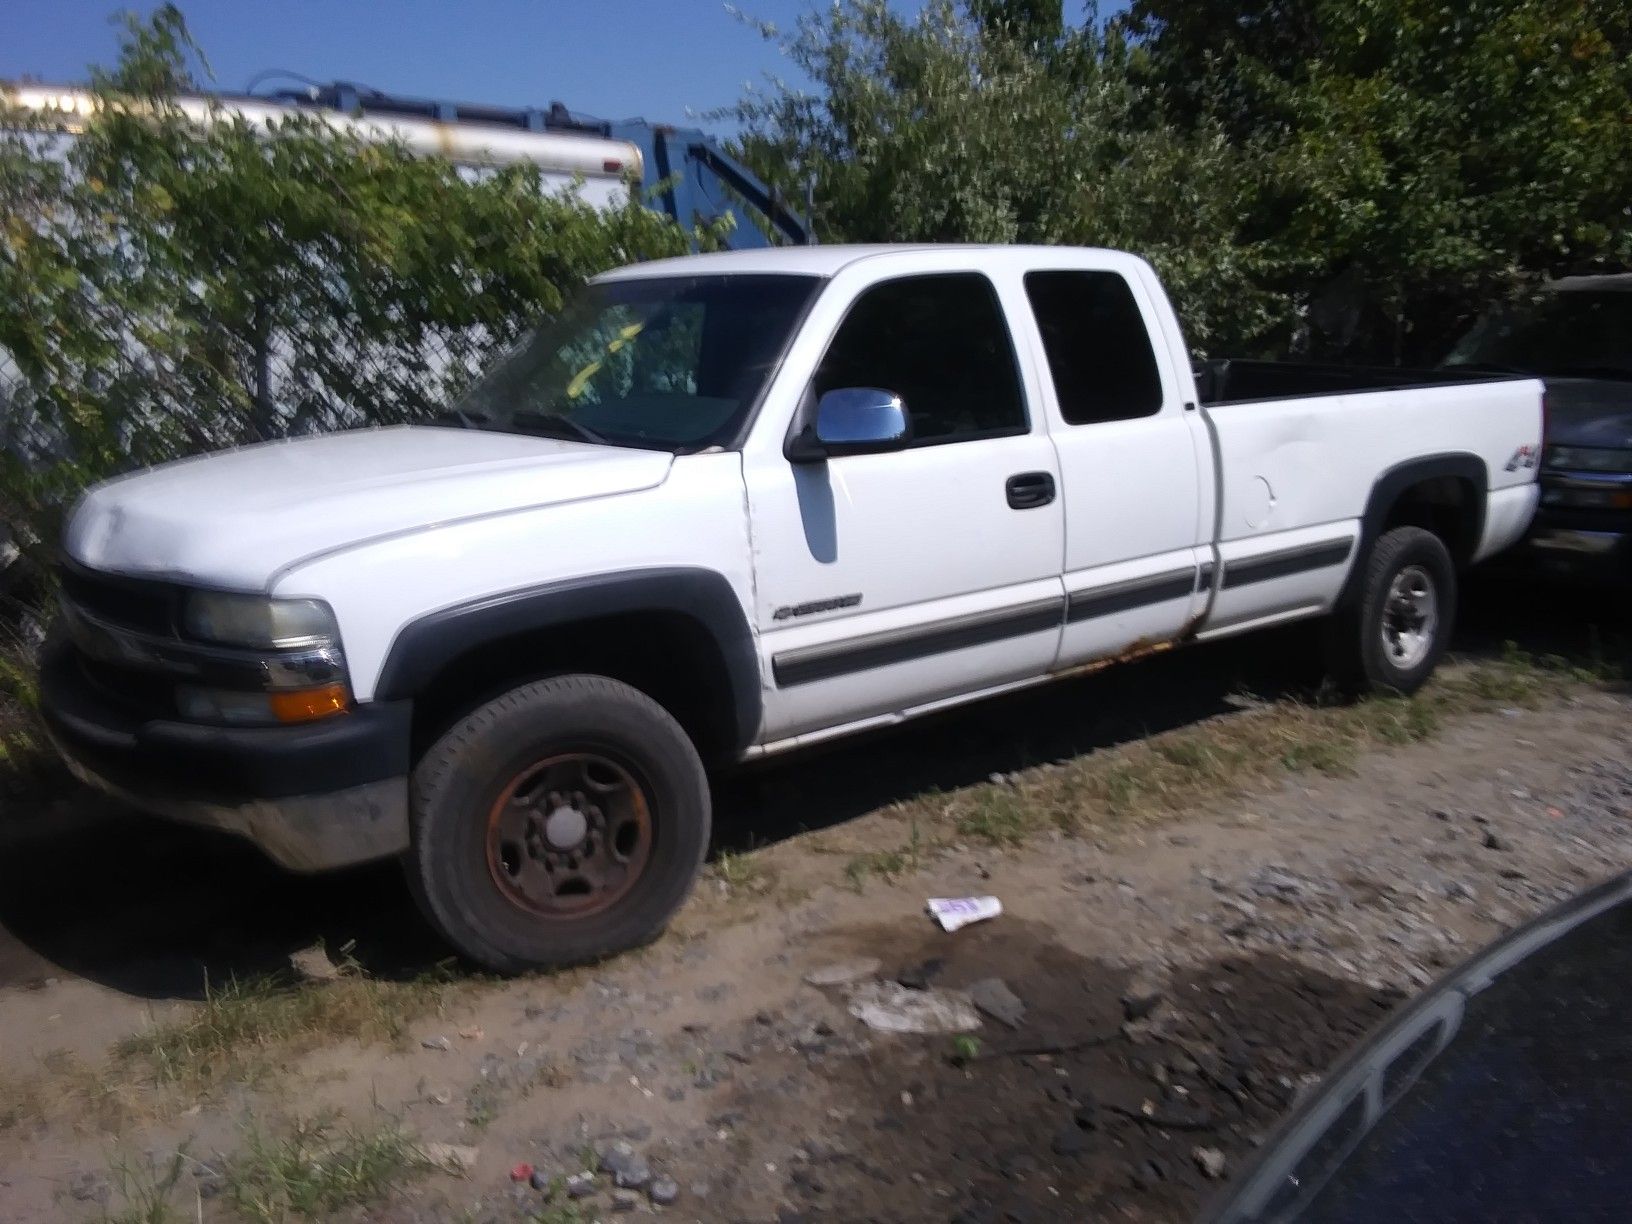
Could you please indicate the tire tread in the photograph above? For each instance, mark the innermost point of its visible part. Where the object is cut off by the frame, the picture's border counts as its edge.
(1354, 654)
(448, 763)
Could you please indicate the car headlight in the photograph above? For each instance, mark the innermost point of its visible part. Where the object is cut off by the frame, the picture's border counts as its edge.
(1588, 459)
(258, 621)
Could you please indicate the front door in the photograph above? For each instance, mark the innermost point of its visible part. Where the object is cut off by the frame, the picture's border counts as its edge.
(887, 582)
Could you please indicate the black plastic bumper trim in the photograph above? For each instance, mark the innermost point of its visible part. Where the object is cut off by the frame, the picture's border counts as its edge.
(185, 761)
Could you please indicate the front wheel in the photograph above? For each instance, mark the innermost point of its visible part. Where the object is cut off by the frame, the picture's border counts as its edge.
(561, 822)
(1397, 630)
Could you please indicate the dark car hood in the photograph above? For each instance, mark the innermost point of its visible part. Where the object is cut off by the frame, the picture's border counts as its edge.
(1498, 1094)
(1589, 412)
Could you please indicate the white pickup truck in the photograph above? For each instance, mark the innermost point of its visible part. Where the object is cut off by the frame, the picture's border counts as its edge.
(723, 507)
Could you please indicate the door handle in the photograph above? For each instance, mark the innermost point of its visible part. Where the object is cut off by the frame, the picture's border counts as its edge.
(1029, 490)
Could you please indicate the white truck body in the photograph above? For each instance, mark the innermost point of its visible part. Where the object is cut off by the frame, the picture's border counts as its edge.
(386, 525)
(870, 587)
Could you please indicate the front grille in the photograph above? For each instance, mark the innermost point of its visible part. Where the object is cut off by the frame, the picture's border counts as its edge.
(139, 693)
(1574, 518)
(133, 603)
(130, 603)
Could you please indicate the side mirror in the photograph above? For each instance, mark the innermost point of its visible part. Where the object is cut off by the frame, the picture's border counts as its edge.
(852, 421)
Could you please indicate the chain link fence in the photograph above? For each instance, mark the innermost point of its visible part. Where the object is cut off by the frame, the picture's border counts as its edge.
(145, 398)
(131, 334)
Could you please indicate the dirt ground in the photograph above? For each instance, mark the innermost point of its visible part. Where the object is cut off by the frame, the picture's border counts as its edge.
(1181, 980)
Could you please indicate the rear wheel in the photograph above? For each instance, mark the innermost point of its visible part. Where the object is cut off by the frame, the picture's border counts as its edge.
(1396, 632)
(562, 822)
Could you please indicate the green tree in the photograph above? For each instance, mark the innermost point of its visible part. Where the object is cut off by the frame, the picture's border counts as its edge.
(1350, 179)
(1032, 21)
(1431, 153)
(953, 126)
(169, 287)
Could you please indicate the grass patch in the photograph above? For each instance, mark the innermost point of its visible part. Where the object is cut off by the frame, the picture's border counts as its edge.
(318, 1169)
(25, 759)
(743, 872)
(998, 815)
(245, 1028)
(23, 1102)
(497, 1090)
(145, 1189)
(888, 865)
(67, 1088)
(564, 1212)
(312, 1171)
(1149, 779)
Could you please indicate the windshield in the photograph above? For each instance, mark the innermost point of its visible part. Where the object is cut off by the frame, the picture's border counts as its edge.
(1583, 333)
(672, 363)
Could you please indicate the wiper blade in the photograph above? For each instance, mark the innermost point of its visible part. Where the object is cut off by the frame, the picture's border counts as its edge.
(555, 423)
(465, 420)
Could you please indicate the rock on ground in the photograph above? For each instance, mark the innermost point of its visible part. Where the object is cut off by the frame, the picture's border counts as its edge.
(892, 1008)
(992, 997)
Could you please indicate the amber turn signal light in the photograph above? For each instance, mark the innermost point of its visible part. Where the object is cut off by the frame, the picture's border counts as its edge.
(306, 705)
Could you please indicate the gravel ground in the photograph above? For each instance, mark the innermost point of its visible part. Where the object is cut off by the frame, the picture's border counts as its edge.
(1153, 999)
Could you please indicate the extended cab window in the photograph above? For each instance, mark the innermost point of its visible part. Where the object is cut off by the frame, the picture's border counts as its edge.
(941, 344)
(1098, 349)
(672, 363)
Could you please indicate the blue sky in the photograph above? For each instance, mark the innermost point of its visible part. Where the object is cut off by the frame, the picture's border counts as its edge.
(658, 59)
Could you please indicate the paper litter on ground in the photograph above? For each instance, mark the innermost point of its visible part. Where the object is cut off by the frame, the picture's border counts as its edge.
(955, 912)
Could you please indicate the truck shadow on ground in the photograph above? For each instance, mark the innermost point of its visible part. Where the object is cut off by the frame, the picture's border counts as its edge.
(160, 911)
(1586, 628)
(1094, 1105)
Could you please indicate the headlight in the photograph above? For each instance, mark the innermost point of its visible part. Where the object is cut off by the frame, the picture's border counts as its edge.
(258, 621)
(1589, 459)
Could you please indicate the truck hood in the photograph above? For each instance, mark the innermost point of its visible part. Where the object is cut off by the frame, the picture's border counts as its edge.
(1589, 412)
(234, 520)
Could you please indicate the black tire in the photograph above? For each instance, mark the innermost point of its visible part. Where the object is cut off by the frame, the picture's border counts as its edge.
(466, 801)
(1364, 652)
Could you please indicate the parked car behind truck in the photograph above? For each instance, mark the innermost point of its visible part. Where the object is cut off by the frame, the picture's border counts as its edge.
(724, 507)
(1499, 1093)
(1576, 334)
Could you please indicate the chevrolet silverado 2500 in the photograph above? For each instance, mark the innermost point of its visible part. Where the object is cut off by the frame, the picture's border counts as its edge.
(722, 507)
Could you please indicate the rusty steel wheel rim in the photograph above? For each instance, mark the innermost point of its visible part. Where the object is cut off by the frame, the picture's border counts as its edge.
(569, 836)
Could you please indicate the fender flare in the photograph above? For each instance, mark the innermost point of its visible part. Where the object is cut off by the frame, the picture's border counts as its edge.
(1396, 480)
(422, 648)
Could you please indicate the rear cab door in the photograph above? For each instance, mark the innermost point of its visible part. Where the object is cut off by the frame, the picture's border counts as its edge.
(1135, 459)
(890, 583)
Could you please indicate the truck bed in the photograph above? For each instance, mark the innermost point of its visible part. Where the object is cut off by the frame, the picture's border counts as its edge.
(1233, 380)
(1303, 449)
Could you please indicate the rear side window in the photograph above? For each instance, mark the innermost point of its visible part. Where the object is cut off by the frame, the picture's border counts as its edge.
(1098, 347)
(941, 343)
